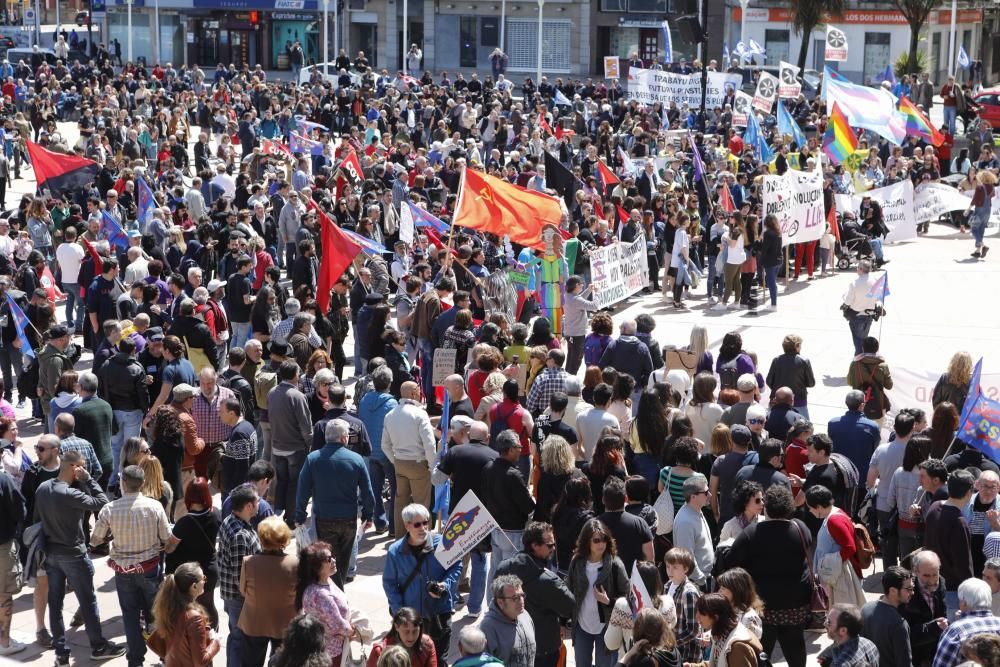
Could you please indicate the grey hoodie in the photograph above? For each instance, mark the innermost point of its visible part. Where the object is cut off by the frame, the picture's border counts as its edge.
(512, 642)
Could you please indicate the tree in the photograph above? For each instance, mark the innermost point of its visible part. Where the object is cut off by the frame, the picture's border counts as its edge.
(806, 15)
(916, 13)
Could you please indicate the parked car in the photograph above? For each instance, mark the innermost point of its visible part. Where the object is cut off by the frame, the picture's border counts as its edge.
(18, 53)
(989, 103)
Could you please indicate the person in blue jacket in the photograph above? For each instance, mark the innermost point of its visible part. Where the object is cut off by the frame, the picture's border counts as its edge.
(414, 578)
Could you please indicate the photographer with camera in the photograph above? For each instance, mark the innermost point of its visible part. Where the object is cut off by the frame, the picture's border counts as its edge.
(414, 578)
(873, 225)
(861, 305)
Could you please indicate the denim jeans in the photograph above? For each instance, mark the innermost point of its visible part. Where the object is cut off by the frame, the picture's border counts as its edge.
(771, 278)
(340, 535)
(876, 245)
(286, 483)
(241, 334)
(379, 469)
(290, 249)
(714, 283)
(949, 119)
(977, 225)
(74, 300)
(426, 368)
(584, 646)
(135, 597)
(860, 326)
(502, 549)
(10, 356)
(477, 582)
(78, 572)
(129, 426)
(234, 643)
(889, 543)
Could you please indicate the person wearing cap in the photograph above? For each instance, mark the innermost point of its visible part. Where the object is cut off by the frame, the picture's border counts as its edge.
(722, 481)
(178, 462)
(746, 385)
(137, 527)
(52, 362)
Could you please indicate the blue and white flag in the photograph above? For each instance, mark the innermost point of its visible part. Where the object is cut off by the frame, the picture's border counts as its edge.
(963, 58)
(754, 136)
(788, 126)
(561, 99)
(442, 492)
(741, 51)
(880, 288)
(20, 324)
(112, 231)
(668, 43)
(725, 54)
(308, 126)
(367, 245)
(147, 203)
(756, 49)
(422, 218)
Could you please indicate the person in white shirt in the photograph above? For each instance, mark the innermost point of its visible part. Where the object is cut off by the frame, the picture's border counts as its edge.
(138, 265)
(859, 304)
(408, 443)
(225, 181)
(6, 242)
(70, 255)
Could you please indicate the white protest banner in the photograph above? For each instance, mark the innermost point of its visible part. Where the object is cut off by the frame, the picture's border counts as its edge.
(467, 526)
(766, 93)
(796, 198)
(912, 388)
(994, 221)
(651, 86)
(789, 85)
(618, 271)
(932, 200)
(406, 225)
(897, 209)
(611, 67)
(444, 365)
(741, 108)
(836, 44)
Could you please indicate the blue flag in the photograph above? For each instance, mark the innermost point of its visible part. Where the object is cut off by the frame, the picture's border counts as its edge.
(880, 289)
(308, 126)
(561, 99)
(834, 75)
(755, 137)
(668, 43)
(146, 202)
(980, 422)
(442, 492)
(20, 324)
(963, 58)
(113, 231)
(889, 75)
(367, 245)
(788, 126)
(422, 218)
(725, 55)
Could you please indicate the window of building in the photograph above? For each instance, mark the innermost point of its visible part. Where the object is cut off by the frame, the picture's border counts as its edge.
(776, 45)
(490, 34)
(935, 63)
(877, 54)
(467, 41)
(819, 54)
(522, 45)
(648, 6)
(614, 5)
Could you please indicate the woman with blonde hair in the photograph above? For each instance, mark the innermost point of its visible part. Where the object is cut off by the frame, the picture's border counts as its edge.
(182, 636)
(980, 207)
(153, 486)
(267, 583)
(953, 385)
(558, 465)
(492, 395)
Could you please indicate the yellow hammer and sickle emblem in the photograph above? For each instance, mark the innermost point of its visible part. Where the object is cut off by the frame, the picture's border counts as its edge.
(487, 194)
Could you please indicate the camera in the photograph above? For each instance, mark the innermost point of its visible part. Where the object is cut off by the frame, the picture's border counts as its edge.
(436, 588)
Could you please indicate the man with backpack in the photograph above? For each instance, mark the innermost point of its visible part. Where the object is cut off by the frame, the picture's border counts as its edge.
(123, 386)
(508, 414)
(52, 361)
(870, 374)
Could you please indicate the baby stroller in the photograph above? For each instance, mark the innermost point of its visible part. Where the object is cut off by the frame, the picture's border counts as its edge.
(853, 245)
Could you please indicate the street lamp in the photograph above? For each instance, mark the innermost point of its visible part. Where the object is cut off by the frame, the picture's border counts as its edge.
(128, 48)
(745, 5)
(541, 6)
(325, 36)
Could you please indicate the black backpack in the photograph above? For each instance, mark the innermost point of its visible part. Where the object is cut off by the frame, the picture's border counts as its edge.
(729, 374)
(27, 381)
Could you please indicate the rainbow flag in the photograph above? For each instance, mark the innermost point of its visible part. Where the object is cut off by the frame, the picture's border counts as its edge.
(917, 123)
(839, 141)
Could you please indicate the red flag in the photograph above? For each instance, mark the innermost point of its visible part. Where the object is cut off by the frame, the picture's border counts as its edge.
(351, 168)
(543, 124)
(726, 200)
(59, 172)
(435, 239)
(48, 282)
(560, 132)
(493, 205)
(623, 215)
(92, 251)
(606, 176)
(275, 148)
(339, 250)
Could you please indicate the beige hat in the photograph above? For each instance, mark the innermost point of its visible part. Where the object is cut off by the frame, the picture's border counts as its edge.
(182, 392)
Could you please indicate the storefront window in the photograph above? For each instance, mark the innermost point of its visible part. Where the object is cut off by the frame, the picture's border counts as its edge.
(468, 46)
(522, 40)
(776, 45)
(624, 42)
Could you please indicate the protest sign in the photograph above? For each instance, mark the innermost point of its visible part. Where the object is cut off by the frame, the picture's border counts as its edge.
(766, 93)
(994, 221)
(618, 271)
(444, 365)
(467, 526)
(897, 204)
(932, 200)
(789, 85)
(836, 44)
(741, 108)
(611, 68)
(914, 388)
(796, 198)
(652, 86)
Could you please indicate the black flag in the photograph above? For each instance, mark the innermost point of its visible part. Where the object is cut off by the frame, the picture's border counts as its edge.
(560, 179)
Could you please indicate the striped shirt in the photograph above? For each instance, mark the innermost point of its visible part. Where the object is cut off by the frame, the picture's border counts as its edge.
(211, 428)
(137, 526)
(86, 450)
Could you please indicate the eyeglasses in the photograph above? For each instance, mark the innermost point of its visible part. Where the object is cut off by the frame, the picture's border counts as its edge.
(702, 493)
(515, 596)
(755, 421)
(420, 524)
(597, 540)
(40, 449)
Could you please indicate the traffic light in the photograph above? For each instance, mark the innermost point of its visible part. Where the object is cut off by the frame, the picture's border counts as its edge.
(254, 17)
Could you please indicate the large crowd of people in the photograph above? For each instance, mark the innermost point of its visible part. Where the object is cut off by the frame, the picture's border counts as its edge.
(216, 433)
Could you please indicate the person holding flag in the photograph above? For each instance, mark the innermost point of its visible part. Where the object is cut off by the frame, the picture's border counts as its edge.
(645, 592)
(861, 301)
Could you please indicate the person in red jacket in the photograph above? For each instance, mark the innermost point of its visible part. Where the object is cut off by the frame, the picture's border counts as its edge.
(406, 632)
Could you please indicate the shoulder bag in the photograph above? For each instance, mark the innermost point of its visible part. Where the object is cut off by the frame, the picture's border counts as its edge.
(664, 507)
(819, 603)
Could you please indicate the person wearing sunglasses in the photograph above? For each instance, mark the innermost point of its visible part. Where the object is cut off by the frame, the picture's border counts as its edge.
(756, 417)
(510, 634)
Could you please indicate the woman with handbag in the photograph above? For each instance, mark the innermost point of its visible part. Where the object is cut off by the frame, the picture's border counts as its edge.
(267, 583)
(834, 560)
(183, 637)
(197, 531)
(597, 578)
(315, 594)
(776, 554)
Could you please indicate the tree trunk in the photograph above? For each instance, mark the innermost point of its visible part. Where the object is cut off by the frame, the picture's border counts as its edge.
(804, 46)
(911, 63)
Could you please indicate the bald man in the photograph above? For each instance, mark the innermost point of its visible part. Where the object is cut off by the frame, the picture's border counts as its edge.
(782, 414)
(409, 444)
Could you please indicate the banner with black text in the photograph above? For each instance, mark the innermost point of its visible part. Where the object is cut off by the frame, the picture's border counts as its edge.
(618, 271)
(651, 86)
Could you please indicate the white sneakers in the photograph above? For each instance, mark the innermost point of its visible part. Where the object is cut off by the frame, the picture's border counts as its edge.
(12, 648)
